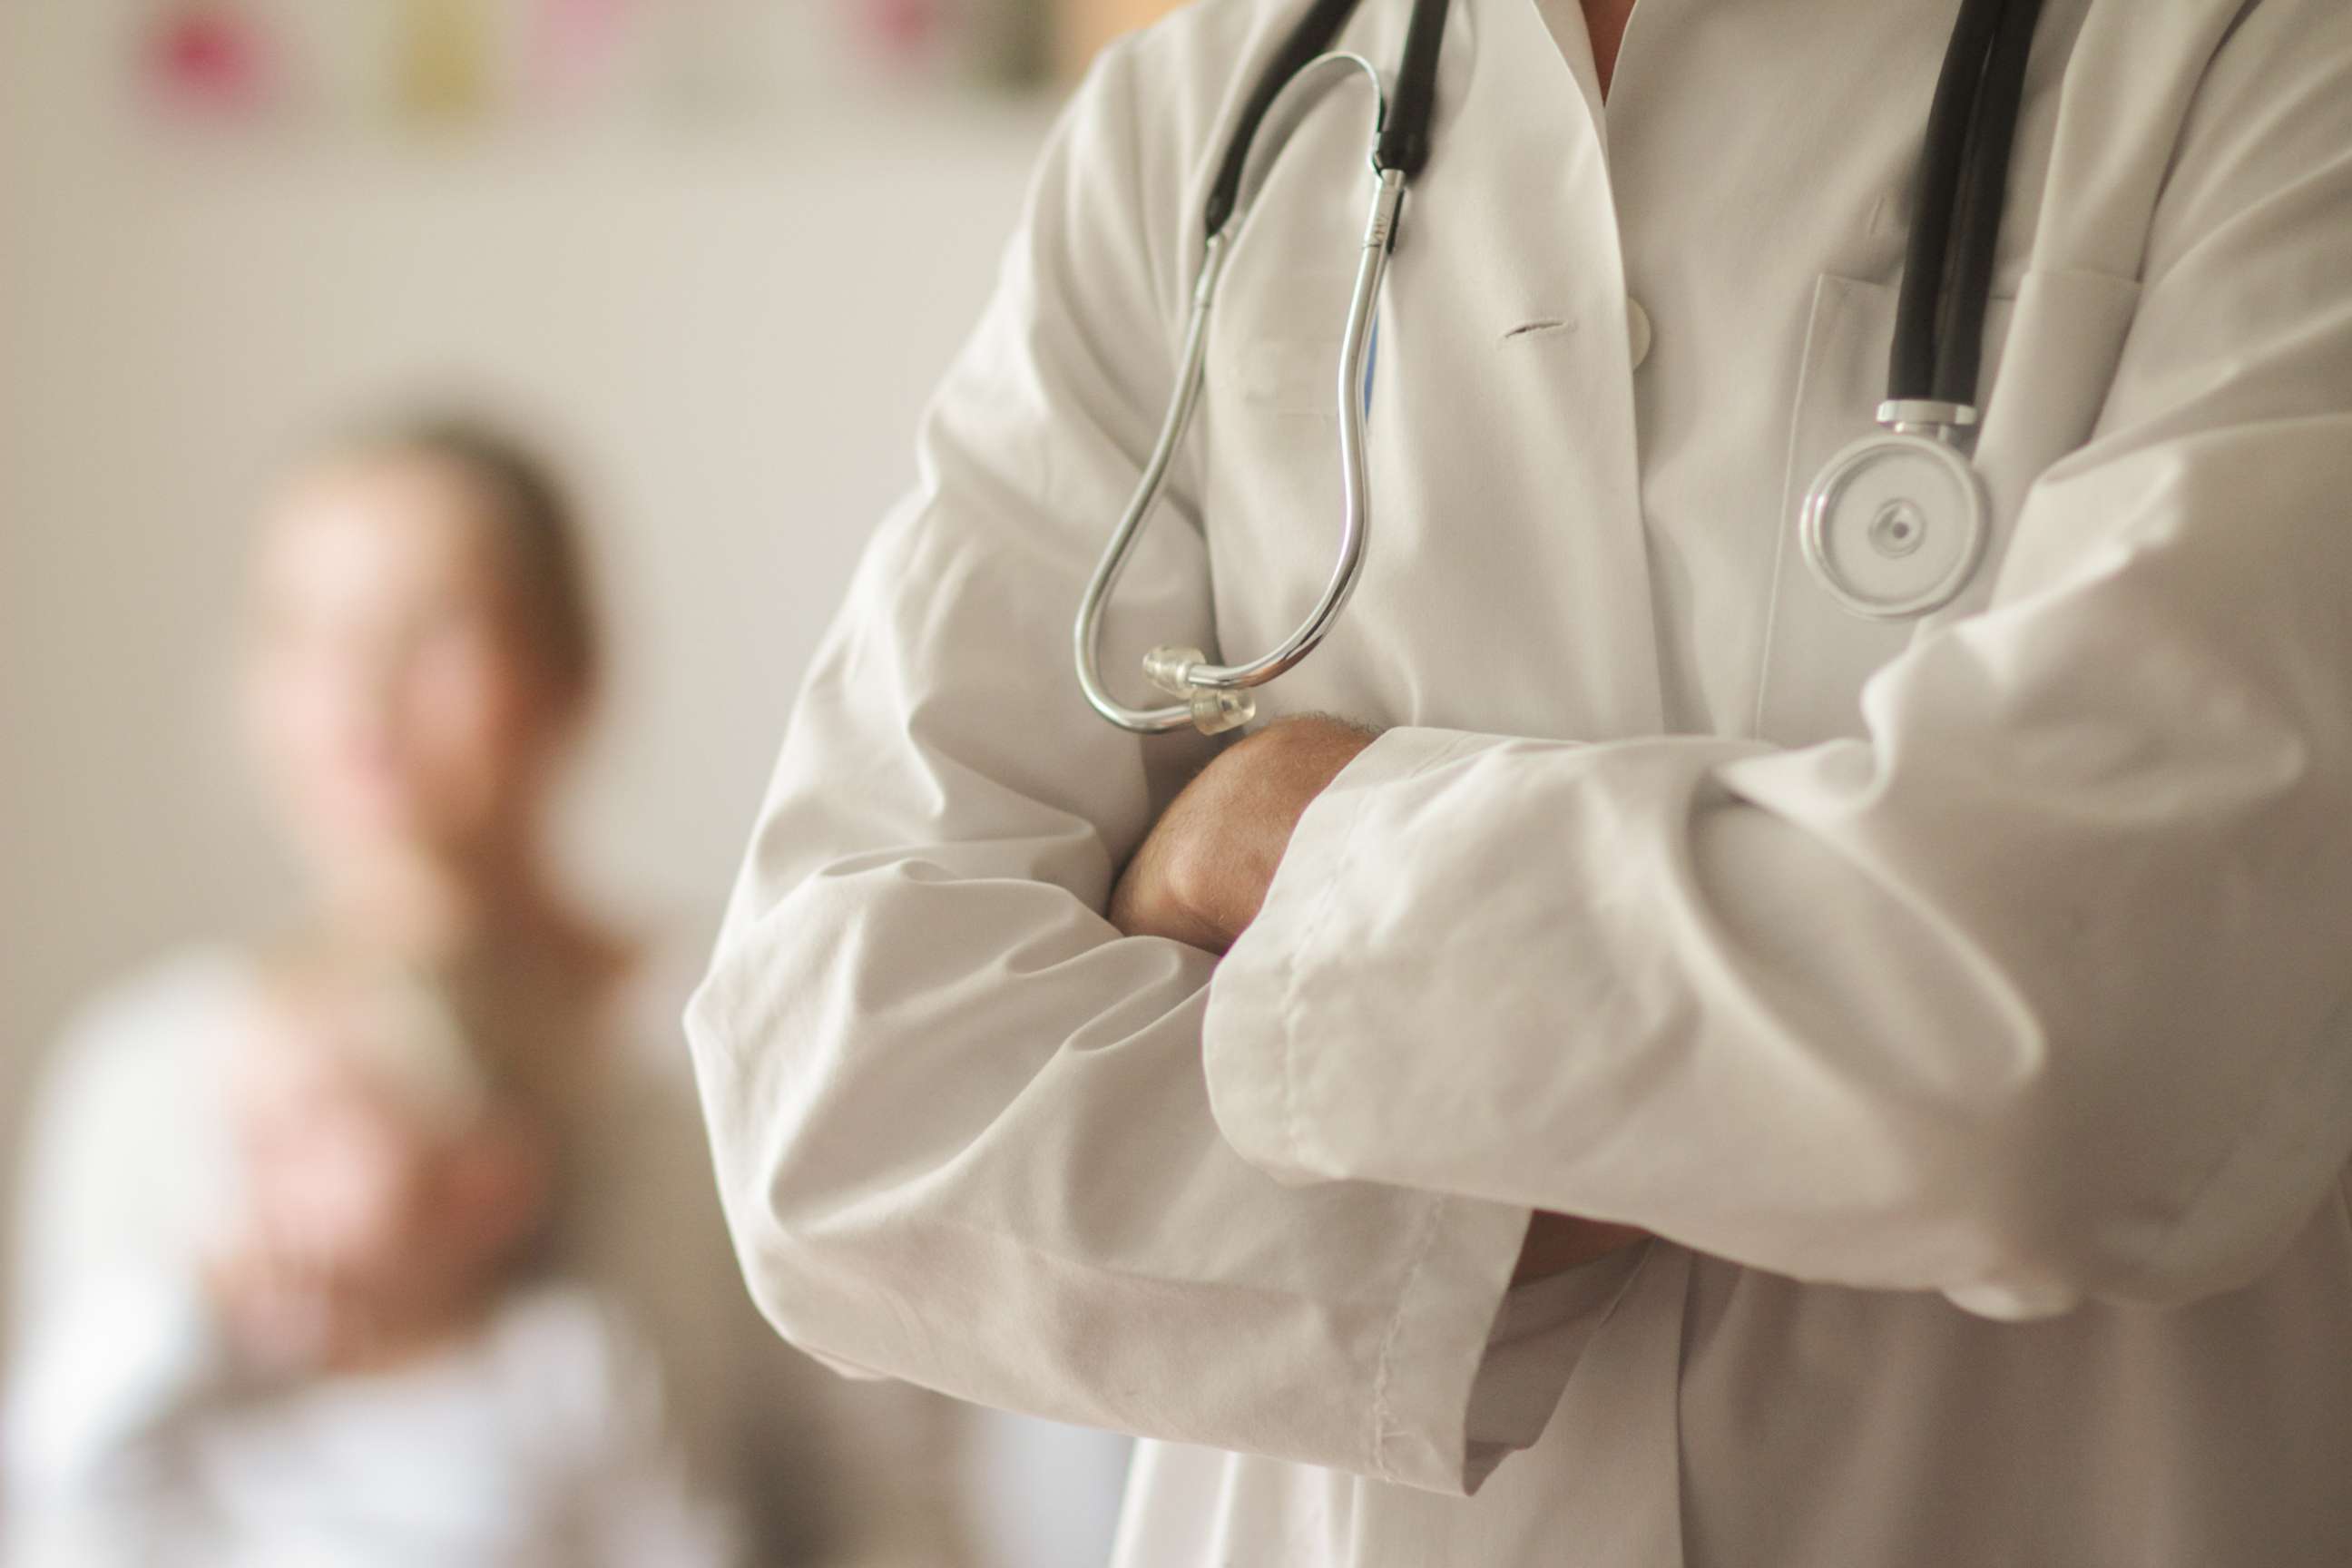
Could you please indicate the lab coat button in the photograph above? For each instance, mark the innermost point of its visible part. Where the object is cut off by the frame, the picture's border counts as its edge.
(1637, 328)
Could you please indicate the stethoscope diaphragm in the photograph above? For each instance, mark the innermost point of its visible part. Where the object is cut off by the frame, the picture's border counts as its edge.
(1895, 526)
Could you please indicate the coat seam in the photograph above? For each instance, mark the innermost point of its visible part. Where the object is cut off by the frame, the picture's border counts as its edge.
(1315, 922)
(1384, 1424)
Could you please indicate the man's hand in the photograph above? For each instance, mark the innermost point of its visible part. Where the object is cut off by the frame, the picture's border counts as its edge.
(1203, 872)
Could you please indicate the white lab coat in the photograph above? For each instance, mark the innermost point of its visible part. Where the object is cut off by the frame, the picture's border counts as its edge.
(1908, 982)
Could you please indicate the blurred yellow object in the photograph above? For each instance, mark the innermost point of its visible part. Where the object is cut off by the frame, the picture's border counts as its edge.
(1081, 27)
(444, 58)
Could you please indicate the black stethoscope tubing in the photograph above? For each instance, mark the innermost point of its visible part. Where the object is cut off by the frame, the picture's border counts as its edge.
(1962, 172)
(1962, 177)
(1404, 134)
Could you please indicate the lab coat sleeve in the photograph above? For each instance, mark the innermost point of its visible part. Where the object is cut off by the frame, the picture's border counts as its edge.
(961, 1126)
(2036, 992)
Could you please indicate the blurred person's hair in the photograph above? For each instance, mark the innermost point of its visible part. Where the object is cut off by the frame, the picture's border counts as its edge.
(536, 520)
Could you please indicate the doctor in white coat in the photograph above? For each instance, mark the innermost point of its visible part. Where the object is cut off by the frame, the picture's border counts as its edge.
(1939, 1032)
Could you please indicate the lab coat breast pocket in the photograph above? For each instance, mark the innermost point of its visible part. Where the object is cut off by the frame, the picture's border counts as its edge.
(2051, 352)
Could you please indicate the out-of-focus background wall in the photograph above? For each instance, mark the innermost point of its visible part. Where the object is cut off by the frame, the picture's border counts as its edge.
(715, 252)
(726, 317)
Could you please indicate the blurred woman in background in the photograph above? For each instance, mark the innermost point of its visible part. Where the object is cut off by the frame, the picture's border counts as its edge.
(276, 1267)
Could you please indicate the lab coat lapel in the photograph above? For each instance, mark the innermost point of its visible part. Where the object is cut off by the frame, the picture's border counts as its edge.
(1514, 369)
(1507, 587)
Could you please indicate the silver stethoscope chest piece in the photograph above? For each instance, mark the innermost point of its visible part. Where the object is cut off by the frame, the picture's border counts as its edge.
(1898, 522)
(1896, 525)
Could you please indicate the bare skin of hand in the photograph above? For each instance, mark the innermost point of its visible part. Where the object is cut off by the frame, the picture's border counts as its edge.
(1201, 875)
(1203, 872)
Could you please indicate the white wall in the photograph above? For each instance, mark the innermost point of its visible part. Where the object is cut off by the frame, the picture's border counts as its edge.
(732, 334)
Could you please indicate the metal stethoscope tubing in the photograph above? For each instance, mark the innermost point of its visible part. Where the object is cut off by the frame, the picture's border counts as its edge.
(1213, 698)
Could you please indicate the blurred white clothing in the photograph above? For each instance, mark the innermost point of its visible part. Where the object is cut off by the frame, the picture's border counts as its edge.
(129, 1175)
(538, 1441)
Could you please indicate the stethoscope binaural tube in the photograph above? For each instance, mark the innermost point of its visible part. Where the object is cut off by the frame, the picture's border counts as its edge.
(1209, 697)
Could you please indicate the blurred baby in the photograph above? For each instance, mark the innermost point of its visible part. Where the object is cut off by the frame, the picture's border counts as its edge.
(374, 1373)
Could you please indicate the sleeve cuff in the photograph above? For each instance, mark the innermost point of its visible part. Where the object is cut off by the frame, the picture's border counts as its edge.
(1250, 1031)
(1437, 1344)
(1537, 1339)
(1449, 1302)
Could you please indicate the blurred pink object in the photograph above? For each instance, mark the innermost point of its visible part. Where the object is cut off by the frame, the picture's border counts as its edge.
(574, 44)
(209, 56)
(906, 29)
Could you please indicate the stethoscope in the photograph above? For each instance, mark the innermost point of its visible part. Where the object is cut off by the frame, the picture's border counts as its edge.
(1894, 527)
